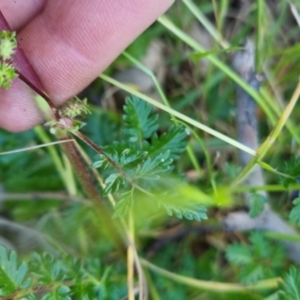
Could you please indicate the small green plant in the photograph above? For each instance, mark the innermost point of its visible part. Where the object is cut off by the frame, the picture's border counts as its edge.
(256, 204)
(147, 163)
(141, 167)
(295, 212)
(56, 279)
(290, 289)
(292, 168)
(260, 260)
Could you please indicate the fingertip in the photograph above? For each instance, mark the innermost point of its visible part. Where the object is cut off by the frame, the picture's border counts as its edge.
(18, 111)
(70, 49)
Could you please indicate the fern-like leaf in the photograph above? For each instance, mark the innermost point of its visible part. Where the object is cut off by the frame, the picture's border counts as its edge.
(113, 183)
(239, 254)
(47, 268)
(124, 205)
(260, 249)
(256, 203)
(123, 154)
(291, 287)
(295, 212)
(189, 212)
(139, 123)
(292, 168)
(147, 160)
(12, 275)
(150, 168)
(174, 140)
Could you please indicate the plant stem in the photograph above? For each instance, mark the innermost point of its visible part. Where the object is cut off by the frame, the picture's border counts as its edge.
(179, 115)
(212, 286)
(87, 180)
(100, 151)
(269, 141)
(41, 93)
(130, 258)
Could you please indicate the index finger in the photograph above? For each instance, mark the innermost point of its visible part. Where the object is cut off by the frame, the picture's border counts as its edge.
(69, 44)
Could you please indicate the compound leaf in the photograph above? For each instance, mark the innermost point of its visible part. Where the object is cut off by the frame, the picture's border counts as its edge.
(292, 168)
(256, 202)
(174, 140)
(239, 254)
(139, 123)
(12, 276)
(295, 212)
(291, 286)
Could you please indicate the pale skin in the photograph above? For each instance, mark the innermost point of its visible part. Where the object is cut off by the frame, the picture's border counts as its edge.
(69, 43)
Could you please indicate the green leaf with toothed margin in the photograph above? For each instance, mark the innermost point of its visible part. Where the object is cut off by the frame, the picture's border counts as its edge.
(256, 202)
(12, 275)
(290, 289)
(295, 212)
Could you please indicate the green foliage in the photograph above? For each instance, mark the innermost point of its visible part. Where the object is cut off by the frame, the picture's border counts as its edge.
(256, 203)
(292, 168)
(12, 275)
(174, 141)
(58, 278)
(201, 91)
(8, 44)
(199, 55)
(69, 117)
(7, 74)
(295, 212)
(74, 108)
(290, 289)
(232, 170)
(139, 123)
(269, 256)
(239, 254)
(194, 212)
(147, 160)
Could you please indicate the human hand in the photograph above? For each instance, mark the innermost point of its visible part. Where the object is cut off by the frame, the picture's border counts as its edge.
(68, 44)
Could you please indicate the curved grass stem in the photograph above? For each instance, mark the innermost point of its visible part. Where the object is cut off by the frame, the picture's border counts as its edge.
(212, 286)
(269, 141)
(179, 115)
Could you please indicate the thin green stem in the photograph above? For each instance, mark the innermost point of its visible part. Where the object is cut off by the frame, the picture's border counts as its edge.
(165, 101)
(42, 135)
(268, 106)
(212, 286)
(100, 151)
(206, 23)
(269, 141)
(151, 74)
(194, 160)
(130, 257)
(179, 115)
(267, 188)
(207, 157)
(219, 64)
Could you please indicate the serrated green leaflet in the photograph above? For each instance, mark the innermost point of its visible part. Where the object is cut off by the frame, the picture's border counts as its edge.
(139, 123)
(256, 203)
(147, 159)
(12, 276)
(295, 212)
(291, 287)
